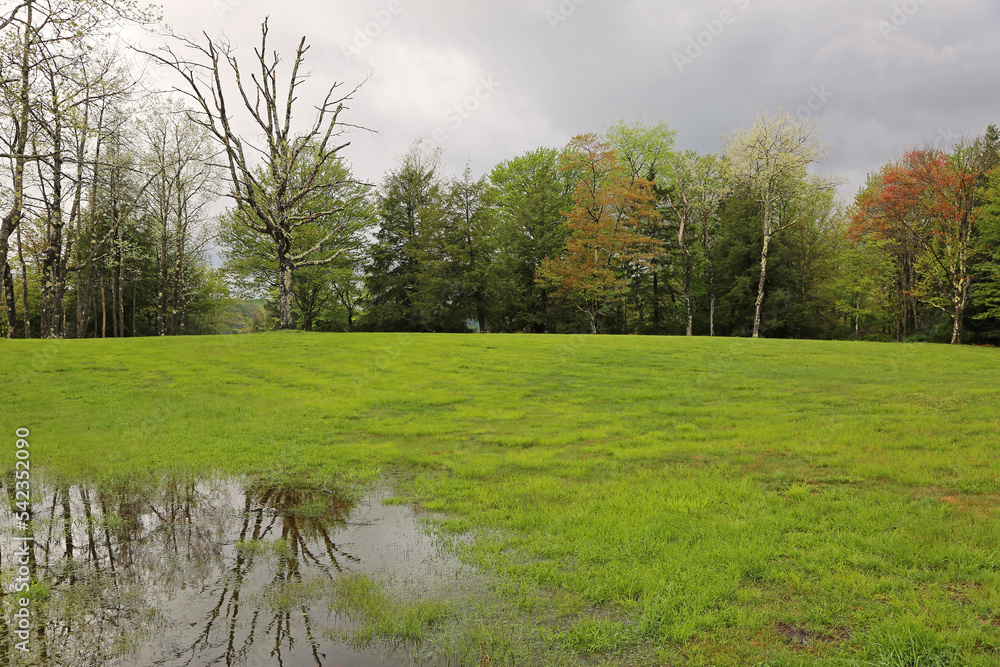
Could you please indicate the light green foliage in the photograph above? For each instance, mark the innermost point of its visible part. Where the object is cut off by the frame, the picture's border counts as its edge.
(646, 151)
(709, 498)
(324, 294)
(694, 178)
(863, 286)
(771, 157)
(691, 188)
(770, 161)
(804, 290)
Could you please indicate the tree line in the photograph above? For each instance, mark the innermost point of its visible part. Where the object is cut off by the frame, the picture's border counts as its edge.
(624, 233)
(110, 224)
(104, 187)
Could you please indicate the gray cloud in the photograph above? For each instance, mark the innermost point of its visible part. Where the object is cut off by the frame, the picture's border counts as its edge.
(892, 73)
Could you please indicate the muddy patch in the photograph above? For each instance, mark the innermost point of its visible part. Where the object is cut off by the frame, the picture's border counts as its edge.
(224, 572)
(802, 637)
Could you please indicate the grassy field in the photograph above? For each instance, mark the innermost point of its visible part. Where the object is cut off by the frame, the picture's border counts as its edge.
(654, 500)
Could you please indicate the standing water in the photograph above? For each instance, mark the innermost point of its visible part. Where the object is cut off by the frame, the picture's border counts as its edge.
(223, 572)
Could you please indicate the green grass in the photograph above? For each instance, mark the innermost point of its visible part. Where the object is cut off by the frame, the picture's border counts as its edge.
(656, 500)
(375, 617)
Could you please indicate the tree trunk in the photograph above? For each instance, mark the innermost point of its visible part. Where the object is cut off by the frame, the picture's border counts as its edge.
(711, 290)
(178, 292)
(957, 323)
(52, 260)
(182, 319)
(656, 300)
(88, 306)
(161, 283)
(83, 310)
(286, 315)
(93, 312)
(687, 292)
(104, 311)
(78, 279)
(60, 296)
(182, 294)
(857, 317)
(121, 284)
(115, 290)
(760, 286)
(8, 288)
(344, 295)
(45, 283)
(114, 293)
(9, 321)
(24, 284)
(72, 244)
(484, 323)
(52, 256)
(175, 301)
(687, 275)
(135, 288)
(18, 163)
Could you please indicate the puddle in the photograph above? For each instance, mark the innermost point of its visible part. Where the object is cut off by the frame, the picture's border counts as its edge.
(211, 573)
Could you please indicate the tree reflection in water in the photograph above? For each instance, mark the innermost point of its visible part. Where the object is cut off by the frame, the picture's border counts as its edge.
(191, 574)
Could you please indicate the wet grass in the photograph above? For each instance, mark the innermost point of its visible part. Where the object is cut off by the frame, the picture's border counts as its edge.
(647, 500)
(263, 548)
(377, 618)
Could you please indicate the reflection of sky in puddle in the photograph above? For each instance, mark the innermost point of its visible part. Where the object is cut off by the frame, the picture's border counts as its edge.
(193, 573)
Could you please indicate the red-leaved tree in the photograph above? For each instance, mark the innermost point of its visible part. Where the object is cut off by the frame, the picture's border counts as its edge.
(927, 199)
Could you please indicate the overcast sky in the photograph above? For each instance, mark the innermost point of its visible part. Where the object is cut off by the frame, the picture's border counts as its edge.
(490, 80)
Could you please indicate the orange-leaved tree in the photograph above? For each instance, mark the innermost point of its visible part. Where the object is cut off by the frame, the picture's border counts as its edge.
(929, 199)
(610, 207)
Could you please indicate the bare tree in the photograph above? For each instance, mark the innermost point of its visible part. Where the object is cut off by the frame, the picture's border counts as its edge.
(65, 130)
(692, 195)
(93, 237)
(158, 204)
(276, 186)
(179, 154)
(16, 81)
(44, 43)
(711, 194)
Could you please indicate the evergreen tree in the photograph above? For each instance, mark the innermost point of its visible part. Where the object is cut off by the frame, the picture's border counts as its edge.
(532, 195)
(409, 201)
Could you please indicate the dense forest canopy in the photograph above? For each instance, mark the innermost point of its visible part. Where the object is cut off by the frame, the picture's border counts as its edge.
(110, 223)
